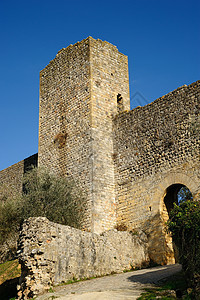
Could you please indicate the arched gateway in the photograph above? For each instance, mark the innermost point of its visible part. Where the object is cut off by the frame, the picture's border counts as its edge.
(169, 192)
(126, 160)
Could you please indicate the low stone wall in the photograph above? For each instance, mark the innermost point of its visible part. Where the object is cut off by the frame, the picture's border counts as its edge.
(51, 253)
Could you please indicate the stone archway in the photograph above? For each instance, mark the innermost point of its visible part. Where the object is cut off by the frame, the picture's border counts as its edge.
(191, 182)
(171, 197)
(161, 248)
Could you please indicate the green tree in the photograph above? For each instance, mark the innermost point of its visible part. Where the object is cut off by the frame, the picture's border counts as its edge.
(44, 194)
(57, 198)
(11, 216)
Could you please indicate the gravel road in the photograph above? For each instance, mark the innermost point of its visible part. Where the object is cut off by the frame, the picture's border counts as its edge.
(120, 286)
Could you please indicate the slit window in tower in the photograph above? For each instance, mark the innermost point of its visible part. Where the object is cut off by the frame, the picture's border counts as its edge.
(120, 105)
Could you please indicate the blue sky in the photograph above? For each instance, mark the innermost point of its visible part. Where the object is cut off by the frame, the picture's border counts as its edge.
(161, 38)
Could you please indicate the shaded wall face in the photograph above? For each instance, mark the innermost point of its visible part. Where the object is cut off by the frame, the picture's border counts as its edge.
(156, 145)
(65, 118)
(11, 178)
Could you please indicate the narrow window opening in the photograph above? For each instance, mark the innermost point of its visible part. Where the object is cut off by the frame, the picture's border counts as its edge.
(149, 208)
(120, 104)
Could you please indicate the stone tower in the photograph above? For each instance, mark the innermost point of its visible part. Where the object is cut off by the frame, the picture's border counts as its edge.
(81, 90)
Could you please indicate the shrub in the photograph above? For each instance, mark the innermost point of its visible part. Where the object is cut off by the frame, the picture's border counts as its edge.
(11, 216)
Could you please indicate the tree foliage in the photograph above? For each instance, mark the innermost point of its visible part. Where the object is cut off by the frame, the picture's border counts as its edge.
(11, 216)
(44, 194)
(57, 198)
(184, 225)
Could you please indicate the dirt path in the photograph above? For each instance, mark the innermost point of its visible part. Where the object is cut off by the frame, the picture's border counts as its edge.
(121, 286)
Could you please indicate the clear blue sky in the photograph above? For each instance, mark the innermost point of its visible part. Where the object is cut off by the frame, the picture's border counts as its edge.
(161, 38)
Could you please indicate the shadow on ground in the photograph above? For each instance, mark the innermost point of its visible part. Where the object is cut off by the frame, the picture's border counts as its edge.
(8, 289)
(152, 276)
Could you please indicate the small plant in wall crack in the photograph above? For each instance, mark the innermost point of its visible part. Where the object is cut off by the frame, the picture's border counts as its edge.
(51, 290)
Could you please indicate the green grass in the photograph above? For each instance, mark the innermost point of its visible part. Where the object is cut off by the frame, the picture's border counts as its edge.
(165, 290)
(74, 279)
(9, 270)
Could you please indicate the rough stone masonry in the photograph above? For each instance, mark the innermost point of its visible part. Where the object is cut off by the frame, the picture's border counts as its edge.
(51, 253)
(132, 163)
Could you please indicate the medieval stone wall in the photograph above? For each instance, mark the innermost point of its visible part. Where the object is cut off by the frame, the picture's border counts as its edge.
(156, 146)
(51, 253)
(11, 178)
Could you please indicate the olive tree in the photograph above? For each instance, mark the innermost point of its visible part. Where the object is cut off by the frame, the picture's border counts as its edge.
(44, 194)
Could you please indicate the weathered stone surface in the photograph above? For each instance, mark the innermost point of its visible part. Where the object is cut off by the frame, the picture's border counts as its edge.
(51, 253)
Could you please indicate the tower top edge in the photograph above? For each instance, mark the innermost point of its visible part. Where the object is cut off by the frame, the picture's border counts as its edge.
(86, 41)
